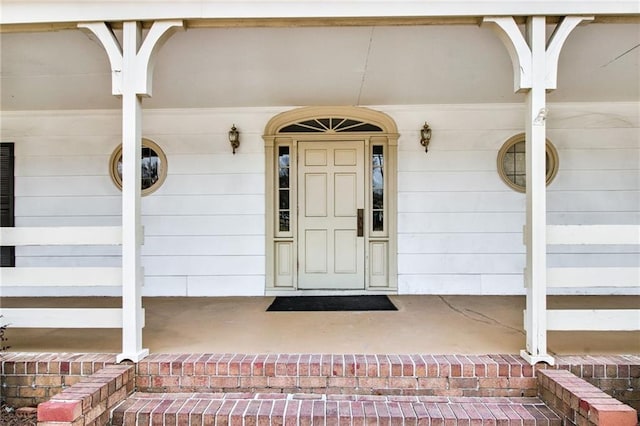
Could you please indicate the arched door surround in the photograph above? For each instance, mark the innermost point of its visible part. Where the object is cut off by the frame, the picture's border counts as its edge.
(331, 201)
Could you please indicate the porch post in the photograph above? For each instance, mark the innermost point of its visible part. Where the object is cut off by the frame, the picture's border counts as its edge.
(132, 278)
(132, 69)
(536, 220)
(535, 66)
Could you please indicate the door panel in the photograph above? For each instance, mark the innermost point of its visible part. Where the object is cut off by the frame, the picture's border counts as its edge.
(316, 183)
(330, 253)
(345, 199)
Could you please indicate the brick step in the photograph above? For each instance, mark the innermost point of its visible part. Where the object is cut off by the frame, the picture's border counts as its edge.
(442, 375)
(279, 409)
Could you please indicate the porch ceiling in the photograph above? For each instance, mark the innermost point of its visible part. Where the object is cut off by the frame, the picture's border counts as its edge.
(340, 65)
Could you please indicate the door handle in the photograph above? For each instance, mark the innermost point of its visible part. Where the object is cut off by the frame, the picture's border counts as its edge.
(360, 222)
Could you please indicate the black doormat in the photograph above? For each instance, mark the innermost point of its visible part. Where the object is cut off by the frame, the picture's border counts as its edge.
(332, 303)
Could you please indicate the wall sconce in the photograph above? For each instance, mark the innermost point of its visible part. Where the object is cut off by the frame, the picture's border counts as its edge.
(234, 138)
(425, 136)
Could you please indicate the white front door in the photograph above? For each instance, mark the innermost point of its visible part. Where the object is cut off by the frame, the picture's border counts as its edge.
(330, 215)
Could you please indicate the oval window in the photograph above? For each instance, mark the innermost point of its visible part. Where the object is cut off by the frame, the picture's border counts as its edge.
(153, 167)
(512, 162)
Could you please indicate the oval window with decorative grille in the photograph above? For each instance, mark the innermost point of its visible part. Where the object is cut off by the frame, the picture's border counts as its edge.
(512, 162)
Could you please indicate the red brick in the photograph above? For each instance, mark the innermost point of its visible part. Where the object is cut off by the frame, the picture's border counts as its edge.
(613, 415)
(283, 382)
(59, 411)
(312, 382)
(463, 383)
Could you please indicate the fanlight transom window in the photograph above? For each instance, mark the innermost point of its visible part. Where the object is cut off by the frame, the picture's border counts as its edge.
(328, 125)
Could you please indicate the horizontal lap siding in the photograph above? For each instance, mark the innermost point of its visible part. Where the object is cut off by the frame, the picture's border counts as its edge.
(460, 227)
(204, 228)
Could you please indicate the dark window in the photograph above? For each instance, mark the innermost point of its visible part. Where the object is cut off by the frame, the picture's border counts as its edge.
(284, 169)
(377, 185)
(7, 254)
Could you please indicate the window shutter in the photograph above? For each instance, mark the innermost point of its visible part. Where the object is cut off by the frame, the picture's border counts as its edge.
(7, 254)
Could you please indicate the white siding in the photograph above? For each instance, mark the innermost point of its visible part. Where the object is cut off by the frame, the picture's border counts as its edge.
(459, 225)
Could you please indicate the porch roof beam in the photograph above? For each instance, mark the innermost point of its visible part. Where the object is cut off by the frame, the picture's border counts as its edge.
(49, 11)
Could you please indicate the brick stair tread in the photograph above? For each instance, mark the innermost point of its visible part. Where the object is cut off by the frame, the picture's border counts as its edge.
(279, 408)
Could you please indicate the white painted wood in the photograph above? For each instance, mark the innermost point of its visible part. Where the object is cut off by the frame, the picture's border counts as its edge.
(554, 47)
(536, 216)
(244, 183)
(164, 286)
(113, 49)
(70, 164)
(64, 277)
(155, 38)
(331, 190)
(593, 234)
(612, 180)
(594, 320)
(450, 181)
(608, 158)
(518, 48)
(575, 180)
(460, 243)
(593, 277)
(459, 222)
(211, 224)
(230, 285)
(378, 267)
(284, 264)
(62, 317)
(15, 11)
(460, 263)
(33, 186)
(593, 201)
(231, 245)
(219, 164)
(203, 265)
(94, 252)
(241, 204)
(42, 206)
(460, 127)
(461, 202)
(66, 220)
(593, 140)
(77, 235)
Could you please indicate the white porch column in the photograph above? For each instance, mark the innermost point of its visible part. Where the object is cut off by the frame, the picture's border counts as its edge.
(132, 70)
(132, 277)
(536, 221)
(535, 70)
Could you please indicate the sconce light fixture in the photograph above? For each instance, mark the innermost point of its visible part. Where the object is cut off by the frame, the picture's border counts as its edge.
(234, 138)
(425, 136)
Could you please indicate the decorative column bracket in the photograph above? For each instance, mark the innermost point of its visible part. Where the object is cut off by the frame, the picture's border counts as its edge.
(131, 76)
(144, 55)
(535, 70)
(520, 52)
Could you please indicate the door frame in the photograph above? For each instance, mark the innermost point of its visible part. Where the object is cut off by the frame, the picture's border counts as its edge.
(281, 247)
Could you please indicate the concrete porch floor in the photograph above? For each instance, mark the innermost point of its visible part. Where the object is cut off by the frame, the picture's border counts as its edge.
(422, 324)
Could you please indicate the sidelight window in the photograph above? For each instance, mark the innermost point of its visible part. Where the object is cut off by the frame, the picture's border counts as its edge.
(284, 189)
(377, 186)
